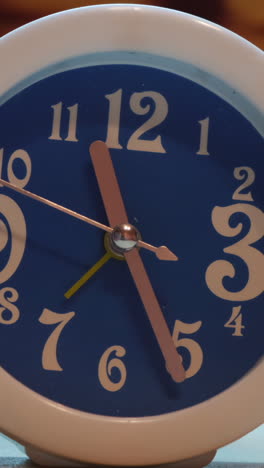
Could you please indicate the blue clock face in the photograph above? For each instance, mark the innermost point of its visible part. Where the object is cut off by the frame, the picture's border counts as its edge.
(190, 169)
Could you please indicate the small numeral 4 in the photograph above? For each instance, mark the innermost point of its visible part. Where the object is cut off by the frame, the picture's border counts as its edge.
(235, 321)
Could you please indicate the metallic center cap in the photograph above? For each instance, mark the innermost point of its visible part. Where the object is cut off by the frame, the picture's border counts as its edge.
(124, 238)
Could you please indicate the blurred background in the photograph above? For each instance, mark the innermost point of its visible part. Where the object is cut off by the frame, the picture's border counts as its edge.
(245, 17)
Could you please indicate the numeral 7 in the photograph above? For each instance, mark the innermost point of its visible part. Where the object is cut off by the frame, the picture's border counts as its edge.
(49, 355)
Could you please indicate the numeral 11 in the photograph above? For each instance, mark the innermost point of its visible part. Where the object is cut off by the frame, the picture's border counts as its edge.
(56, 123)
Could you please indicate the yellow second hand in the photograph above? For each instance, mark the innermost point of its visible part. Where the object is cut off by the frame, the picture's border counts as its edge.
(88, 275)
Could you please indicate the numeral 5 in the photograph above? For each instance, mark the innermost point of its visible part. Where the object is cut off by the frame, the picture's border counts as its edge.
(195, 350)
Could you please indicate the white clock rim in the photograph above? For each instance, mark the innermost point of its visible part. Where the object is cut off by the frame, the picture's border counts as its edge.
(159, 31)
(35, 420)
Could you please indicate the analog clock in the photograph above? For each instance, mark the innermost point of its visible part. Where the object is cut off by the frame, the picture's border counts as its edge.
(131, 246)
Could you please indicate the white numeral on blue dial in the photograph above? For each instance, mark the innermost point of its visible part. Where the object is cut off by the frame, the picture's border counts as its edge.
(203, 149)
(49, 355)
(107, 363)
(135, 142)
(195, 350)
(56, 123)
(235, 321)
(248, 175)
(7, 297)
(18, 233)
(253, 258)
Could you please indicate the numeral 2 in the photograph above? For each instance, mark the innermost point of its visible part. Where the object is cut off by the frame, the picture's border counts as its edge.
(248, 175)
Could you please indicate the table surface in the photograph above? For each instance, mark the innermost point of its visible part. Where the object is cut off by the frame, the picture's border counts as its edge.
(247, 452)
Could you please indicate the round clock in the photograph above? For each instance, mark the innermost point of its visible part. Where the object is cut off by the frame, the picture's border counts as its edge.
(131, 246)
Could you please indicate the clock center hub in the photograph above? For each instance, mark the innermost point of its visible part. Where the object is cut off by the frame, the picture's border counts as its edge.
(124, 238)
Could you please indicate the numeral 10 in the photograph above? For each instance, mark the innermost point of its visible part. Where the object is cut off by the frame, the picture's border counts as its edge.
(21, 155)
(146, 103)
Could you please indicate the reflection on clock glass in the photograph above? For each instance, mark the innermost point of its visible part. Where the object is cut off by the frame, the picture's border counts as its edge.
(190, 170)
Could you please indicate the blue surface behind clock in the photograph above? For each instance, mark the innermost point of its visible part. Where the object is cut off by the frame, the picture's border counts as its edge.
(205, 150)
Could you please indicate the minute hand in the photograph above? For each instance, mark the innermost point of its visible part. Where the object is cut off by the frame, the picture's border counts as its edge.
(116, 213)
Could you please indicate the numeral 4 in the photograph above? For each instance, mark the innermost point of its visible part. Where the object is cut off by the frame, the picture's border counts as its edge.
(235, 321)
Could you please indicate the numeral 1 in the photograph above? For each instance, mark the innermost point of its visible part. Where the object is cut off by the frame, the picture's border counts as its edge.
(56, 123)
(112, 138)
(203, 150)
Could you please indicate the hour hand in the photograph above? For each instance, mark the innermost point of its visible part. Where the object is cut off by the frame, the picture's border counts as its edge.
(78, 284)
